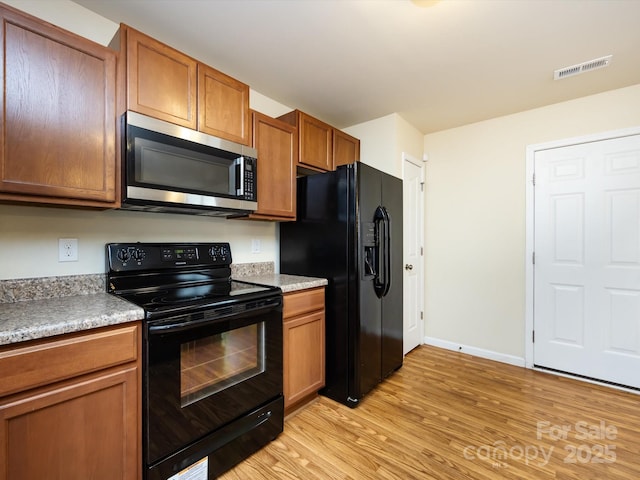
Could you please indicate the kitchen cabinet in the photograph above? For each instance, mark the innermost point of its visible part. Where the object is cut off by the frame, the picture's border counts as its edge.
(346, 149)
(58, 135)
(70, 407)
(304, 346)
(277, 146)
(162, 82)
(321, 147)
(223, 106)
(314, 140)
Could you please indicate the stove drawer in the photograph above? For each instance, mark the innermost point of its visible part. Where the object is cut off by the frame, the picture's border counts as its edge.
(69, 356)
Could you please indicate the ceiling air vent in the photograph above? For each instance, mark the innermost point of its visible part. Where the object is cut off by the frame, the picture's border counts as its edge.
(582, 67)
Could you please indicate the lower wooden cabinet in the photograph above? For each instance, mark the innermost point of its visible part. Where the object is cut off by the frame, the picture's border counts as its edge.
(304, 343)
(82, 423)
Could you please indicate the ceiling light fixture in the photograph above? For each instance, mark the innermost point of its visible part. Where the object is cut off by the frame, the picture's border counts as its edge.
(583, 67)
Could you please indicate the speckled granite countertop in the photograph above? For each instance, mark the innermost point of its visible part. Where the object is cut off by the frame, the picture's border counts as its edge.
(37, 308)
(287, 283)
(34, 319)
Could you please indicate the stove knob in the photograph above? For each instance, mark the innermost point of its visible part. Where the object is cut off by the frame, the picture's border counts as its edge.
(214, 251)
(123, 255)
(138, 254)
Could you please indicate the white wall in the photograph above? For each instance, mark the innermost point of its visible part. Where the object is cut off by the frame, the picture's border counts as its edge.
(383, 140)
(475, 216)
(29, 235)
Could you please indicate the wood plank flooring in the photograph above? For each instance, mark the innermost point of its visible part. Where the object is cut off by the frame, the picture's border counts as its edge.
(447, 415)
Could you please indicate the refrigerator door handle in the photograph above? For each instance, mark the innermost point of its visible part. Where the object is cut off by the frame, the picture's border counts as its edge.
(379, 282)
(386, 251)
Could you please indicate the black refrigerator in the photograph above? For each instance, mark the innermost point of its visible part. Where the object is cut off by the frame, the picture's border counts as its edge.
(349, 230)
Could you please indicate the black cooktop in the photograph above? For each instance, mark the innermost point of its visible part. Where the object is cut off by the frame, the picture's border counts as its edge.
(180, 300)
(172, 279)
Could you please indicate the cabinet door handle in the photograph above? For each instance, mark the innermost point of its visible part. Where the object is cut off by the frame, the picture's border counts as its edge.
(408, 266)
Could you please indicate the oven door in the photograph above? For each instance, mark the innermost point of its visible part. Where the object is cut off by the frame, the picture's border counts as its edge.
(205, 369)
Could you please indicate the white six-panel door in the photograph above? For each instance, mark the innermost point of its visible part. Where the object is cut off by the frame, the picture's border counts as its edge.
(413, 331)
(586, 298)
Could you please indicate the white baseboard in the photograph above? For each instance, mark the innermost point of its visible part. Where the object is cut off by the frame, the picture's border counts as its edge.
(478, 352)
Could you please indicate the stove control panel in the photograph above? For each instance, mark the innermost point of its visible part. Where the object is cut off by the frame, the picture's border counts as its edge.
(153, 256)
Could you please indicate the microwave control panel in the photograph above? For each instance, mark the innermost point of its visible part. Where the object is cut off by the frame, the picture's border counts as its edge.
(249, 178)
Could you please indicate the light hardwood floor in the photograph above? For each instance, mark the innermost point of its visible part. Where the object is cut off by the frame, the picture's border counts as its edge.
(448, 415)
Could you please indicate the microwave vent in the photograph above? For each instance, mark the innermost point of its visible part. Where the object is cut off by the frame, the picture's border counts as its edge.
(583, 67)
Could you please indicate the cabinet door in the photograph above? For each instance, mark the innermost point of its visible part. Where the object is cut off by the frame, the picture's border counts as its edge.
(223, 105)
(277, 146)
(58, 124)
(315, 139)
(76, 431)
(346, 149)
(161, 81)
(303, 356)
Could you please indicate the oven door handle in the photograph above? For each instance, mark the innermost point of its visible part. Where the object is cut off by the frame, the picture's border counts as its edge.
(186, 324)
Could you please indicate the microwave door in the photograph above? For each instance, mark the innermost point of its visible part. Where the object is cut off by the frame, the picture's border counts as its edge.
(167, 173)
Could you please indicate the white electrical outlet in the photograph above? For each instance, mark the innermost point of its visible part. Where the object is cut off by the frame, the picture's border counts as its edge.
(255, 245)
(68, 250)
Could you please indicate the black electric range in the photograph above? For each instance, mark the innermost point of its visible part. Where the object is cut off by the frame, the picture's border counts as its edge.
(211, 356)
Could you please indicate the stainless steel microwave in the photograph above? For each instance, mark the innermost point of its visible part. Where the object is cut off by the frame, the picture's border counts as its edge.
(169, 168)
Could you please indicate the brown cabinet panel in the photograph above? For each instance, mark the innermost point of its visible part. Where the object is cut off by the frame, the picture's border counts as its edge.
(346, 149)
(223, 106)
(314, 140)
(58, 115)
(297, 303)
(73, 412)
(162, 82)
(277, 146)
(315, 143)
(304, 346)
(48, 361)
(321, 146)
(304, 356)
(74, 431)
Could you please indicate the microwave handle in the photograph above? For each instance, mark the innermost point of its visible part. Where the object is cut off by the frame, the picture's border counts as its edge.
(240, 176)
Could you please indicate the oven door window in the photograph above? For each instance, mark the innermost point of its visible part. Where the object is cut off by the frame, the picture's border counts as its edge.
(217, 362)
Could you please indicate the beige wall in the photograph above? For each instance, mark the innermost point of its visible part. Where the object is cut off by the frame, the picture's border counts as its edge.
(383, 140)
(475, 216)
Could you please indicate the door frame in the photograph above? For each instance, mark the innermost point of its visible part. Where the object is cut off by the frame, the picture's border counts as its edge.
(421, 277)
(530, 225)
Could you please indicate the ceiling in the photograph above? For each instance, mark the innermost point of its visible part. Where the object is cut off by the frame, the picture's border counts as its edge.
(440, 66)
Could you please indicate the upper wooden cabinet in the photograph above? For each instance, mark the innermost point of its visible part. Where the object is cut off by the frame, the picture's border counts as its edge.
(277, 146)
(321, 146)
(161, 82)
(58, 124)
(223, 105)
(346, 149)
(164, 83)
(314, 140)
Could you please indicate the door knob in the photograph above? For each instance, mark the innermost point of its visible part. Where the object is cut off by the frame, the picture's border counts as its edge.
(408, 266)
